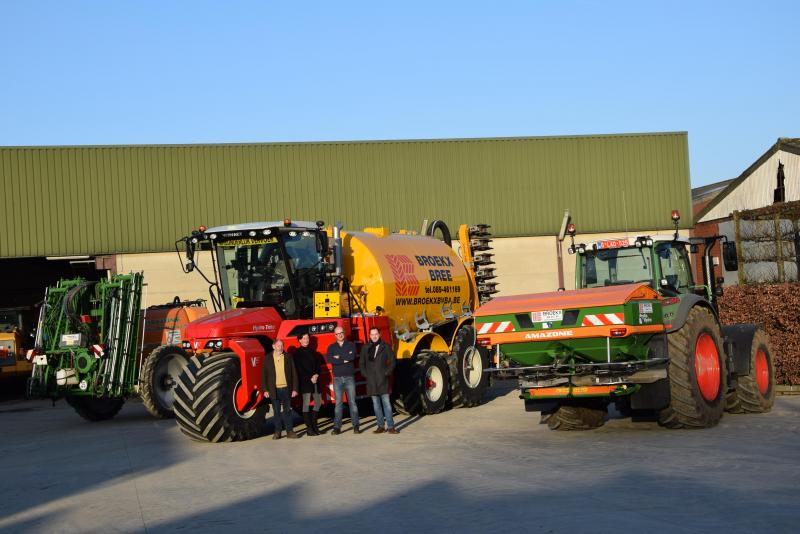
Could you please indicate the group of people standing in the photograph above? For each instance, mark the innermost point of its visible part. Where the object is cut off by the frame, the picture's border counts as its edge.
(285, 377)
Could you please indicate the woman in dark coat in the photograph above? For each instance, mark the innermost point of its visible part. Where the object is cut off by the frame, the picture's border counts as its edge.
(376, 363)
(307, 363)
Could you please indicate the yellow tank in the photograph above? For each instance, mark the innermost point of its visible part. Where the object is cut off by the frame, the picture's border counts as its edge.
(403, 275)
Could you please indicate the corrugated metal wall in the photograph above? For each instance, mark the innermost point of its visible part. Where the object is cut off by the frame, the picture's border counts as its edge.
(96, 200)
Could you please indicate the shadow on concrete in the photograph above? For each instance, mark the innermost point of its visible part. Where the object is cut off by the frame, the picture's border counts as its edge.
(631, 501)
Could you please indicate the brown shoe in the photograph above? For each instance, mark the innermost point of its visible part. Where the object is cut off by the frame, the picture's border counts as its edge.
(379, 430)
(393, 430)
(276, 435)
(292, 435)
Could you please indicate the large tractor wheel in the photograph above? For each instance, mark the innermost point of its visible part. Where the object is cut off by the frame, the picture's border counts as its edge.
(755, 392)
(423, 385)
(184, 399)
(205, 401)
(159, 377)
(576, 416)
(95, 408)
(468, 382)
(697, 373)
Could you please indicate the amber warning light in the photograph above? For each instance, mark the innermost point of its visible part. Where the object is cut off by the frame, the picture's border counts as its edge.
(571, 228)
(676, 215)
(202, 228)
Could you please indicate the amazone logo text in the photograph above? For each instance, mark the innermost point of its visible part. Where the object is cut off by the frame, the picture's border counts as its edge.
(552, 333)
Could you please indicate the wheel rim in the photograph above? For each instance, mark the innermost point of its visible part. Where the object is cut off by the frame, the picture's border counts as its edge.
(167, 371)
(434, 383)
(762, 371)
(706, 366)
(473, 367)
(240, 397)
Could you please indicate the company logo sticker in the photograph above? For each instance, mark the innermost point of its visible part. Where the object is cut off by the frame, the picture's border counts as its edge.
(547, 316)
(405, 282)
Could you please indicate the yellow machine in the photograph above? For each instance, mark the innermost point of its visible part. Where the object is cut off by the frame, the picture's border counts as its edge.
(12, 354)
(277, 279)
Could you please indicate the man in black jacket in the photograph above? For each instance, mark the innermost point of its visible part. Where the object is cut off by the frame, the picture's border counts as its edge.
(306, 361)
(342, 357)
(280, 384)
(376, 363)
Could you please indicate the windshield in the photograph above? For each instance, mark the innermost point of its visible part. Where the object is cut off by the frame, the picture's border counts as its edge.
(615, 267)
(281, 270)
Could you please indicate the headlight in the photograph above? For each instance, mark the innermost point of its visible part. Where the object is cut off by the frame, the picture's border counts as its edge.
(215, 344)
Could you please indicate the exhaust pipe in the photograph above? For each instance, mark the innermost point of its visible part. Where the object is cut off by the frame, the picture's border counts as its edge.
(337, 248)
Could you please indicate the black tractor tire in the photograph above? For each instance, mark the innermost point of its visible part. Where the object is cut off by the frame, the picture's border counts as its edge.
(95, 408)
(158, 379)
(755, 391)
(468, 382)
(696, 402)
(184, 394)
(576, 415)
(208, 385)
(416, 396)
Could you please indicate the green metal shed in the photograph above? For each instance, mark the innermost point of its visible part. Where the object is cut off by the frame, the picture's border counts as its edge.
(90, 200)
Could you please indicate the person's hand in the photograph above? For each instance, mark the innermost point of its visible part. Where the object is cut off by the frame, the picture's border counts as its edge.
(314, 379)
(266, 394)
(294, 393)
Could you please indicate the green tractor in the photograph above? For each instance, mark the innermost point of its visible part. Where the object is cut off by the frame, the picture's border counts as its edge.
(87, 345)
(638, 332)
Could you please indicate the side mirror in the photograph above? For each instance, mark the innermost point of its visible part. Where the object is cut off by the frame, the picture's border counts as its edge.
(694, 248)
(729, 256)
(322, 243)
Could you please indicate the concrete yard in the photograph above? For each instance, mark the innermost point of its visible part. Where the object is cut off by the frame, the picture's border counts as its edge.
(469, 470)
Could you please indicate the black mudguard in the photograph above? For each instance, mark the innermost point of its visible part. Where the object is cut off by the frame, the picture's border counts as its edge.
(688, 302)
(739, 341)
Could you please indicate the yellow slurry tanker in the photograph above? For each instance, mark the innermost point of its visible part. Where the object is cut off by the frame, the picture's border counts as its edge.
(274, 280)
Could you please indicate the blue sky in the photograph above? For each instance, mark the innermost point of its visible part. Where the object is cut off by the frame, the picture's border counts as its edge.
(201, 72)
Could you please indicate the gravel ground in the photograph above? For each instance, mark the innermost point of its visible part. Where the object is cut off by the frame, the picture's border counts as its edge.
(467, 470)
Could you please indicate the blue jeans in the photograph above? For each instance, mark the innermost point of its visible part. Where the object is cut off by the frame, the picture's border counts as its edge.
(340, 383)
(282, 410)
(384, 411)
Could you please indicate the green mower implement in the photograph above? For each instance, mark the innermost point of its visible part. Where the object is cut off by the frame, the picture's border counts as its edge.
(87, 344)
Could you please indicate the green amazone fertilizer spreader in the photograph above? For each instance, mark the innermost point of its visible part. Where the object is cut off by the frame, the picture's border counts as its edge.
(637, 332)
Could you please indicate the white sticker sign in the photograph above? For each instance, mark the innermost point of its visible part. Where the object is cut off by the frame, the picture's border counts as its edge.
(547, 316)
(645, 307)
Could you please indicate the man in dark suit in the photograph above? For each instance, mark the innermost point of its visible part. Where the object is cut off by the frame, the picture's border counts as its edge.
(280, 384)
(376, 363)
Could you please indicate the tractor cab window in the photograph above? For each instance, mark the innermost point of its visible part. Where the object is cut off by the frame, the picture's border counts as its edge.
(306, 266)
(675, 269)
(613, 267)
(253, 273)
(281, 270)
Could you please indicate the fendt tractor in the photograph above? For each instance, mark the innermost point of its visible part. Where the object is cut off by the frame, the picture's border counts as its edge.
(275, 280)
(637, 332)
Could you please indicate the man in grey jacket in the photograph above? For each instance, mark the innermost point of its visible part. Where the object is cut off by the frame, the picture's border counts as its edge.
(376, 363)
